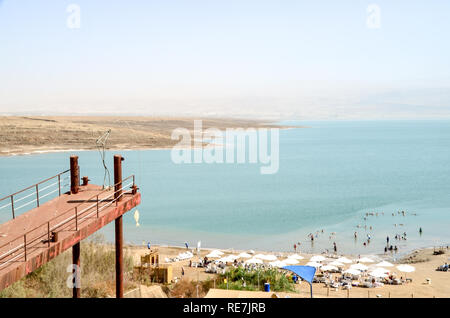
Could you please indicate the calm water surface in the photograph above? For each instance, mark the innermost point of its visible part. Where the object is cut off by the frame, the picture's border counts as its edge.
(330, 175)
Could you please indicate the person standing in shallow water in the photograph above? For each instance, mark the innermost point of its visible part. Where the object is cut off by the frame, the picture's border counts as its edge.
(420, 231)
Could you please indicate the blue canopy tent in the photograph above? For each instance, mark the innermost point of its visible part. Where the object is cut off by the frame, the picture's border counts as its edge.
(305, 272)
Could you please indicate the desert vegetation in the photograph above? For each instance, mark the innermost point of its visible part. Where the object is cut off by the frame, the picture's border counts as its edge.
(97, 274)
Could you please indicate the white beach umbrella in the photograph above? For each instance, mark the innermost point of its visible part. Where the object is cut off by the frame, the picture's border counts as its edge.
(365, 260)
(277, 264)
(254, 261)
(290, 261)
(381, 269)
(296, 256)
(317, 258)
(406, 268)
(213, 255)
(314, 264)
(384, 264)
(251, 252)
(217, 252)
(244, 255)
(359, 266)
(344, 260)
(352, 271)
(328, 268)
(378, 273)
(260, 256)
(269, 257)
(224, 260)
(336, 263)
(233, 257)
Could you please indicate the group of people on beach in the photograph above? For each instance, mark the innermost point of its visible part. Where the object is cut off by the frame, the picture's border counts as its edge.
(366, 242)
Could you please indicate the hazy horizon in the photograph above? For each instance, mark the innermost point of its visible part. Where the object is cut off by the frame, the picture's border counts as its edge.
(250, 59)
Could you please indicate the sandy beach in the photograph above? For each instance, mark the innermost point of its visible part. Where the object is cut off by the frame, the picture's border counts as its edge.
(37, 134)
(423, 260)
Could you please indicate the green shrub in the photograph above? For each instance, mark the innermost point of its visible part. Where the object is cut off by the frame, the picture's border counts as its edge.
(236, 276)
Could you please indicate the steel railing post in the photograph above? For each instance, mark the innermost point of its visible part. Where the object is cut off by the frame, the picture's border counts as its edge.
(12, 206)
(25, 245)
(48, 233)
(76, 218)
(37, 194)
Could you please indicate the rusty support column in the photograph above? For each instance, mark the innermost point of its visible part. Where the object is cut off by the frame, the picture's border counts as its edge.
(74, 175)
(76, 290)
(119, 257)
(118, 176)
(118, 226)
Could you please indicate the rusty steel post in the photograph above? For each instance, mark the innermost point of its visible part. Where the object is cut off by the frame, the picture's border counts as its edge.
(76, 290)
(74, 175)
(118, 226)
(119, 257)
(59, 184)
(118, 177)
(85, 181)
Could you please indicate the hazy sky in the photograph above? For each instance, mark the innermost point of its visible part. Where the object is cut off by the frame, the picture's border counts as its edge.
(278, 58)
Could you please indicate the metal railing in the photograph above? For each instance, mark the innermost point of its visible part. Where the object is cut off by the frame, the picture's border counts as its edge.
(13, 200)
(42, 234)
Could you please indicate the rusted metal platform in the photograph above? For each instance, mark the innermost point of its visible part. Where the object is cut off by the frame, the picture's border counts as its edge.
(33, 238)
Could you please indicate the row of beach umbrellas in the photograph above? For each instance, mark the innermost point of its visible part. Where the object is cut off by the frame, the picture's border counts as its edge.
(255, 259)
(378, 270)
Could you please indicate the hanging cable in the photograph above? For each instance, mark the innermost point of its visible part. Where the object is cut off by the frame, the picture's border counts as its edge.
(101, 146)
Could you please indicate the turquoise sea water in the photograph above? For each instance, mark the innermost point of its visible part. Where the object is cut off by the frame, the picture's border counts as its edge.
(331, 173)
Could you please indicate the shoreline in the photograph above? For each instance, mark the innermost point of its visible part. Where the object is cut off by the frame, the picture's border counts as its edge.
(57, 150)
(28, 135)
(399, 260)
